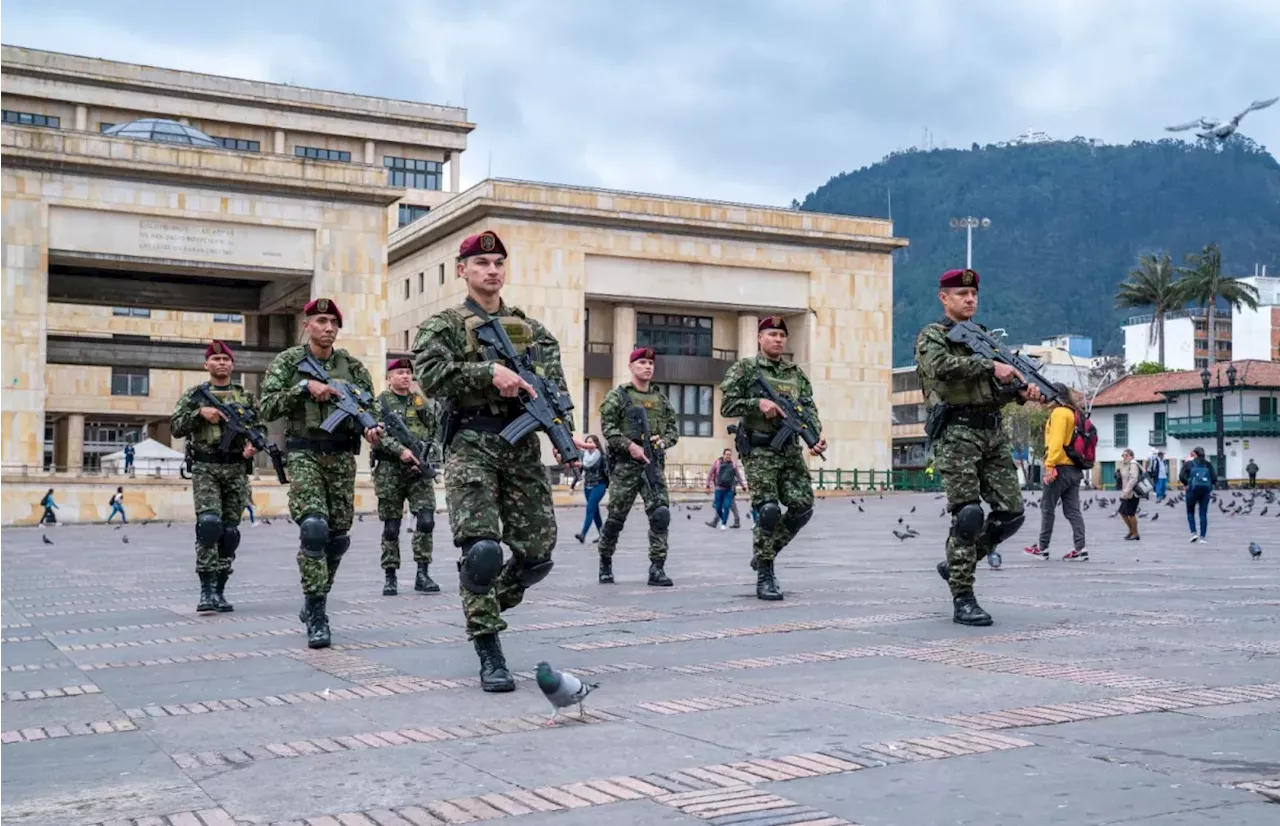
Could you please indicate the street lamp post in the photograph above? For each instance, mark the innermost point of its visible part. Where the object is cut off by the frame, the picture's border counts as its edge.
(1219, 425)
(969, 222)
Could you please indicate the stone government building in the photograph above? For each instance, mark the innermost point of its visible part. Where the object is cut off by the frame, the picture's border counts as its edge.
(146, 210)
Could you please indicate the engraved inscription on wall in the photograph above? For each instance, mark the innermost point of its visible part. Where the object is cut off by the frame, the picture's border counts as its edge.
(170, 239)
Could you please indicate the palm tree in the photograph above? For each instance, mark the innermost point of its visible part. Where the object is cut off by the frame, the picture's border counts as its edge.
(1151, 284)
(1203, 282)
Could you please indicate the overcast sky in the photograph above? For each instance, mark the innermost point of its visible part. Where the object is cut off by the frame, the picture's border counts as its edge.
(741, 100)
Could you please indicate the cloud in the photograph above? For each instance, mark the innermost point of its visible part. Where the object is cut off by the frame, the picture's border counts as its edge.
(745, 100)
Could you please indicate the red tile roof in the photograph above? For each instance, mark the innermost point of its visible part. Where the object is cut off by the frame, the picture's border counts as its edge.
(1153, 389)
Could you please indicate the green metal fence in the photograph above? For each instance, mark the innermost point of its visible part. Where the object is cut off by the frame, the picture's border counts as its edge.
(839, 479)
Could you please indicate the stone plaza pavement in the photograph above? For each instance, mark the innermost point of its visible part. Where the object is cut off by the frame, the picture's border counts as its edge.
(1141, 687)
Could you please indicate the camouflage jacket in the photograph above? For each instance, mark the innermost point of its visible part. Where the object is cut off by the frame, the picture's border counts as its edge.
(449, 363)
(284, 398)
(187, 423)
(613, 418)
(740, 396)
(421, 414)
(950, 373)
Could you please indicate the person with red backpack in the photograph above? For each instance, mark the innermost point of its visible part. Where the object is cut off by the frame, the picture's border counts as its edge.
(1070, 447)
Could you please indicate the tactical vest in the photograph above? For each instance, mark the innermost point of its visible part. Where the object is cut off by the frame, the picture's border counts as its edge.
(651, 402)
(206, 435)
(305, 421)
(519, 330)
(960, 392)
(785, 378)
(413, 408)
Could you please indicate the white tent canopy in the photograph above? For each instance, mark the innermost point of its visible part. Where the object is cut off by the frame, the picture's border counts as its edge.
(149, 456)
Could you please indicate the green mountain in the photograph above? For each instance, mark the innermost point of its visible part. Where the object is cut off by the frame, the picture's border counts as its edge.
(1068, 221)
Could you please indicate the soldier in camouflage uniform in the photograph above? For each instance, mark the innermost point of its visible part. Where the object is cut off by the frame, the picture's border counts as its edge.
(322, 466)
(219, 481)
(397, 477)
(628, 460)
(973, 453)
(776, 478)
(496, 492)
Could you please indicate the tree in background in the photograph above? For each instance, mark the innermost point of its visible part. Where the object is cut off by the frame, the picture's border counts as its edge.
(1152, 284)
(1204, 283)
(1025, 425)
(1147, 368)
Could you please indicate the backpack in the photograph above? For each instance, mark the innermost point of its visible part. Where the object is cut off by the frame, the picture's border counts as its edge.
(1082, 447)
(1199, 476)
(726, 475)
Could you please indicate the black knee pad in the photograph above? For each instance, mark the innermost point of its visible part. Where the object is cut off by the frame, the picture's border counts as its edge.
(426, 521)
(768, 517)
(1001, 525)
(314, 530)
(480, 565)
(660, 518)
(229, 542)
(612, 528)
(391, 530)
(534, 572)
(797, 517)
(208, 529)
(967, 521)
(337, 545)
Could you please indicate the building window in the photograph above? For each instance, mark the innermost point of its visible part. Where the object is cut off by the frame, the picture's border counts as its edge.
(1267, 408)
(908, 414)
(411, 174)
(422, 283)
(411, 212)
(319, 154)
(1122, 429)
(1206, 408)
(406, 288)
(903, 382)
(32, 119)
(127, 383)
(239, 144)
(695, 414)
(1160, 423)
(1202, 363)
(442, 275)
(228, 318)
(674, 335)
(135, 312)
(104, 126)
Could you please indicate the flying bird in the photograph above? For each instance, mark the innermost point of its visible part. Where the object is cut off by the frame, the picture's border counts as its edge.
(562, 690)
(1214, 129)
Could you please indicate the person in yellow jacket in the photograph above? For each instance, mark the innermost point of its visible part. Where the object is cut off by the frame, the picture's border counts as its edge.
(1061, 476)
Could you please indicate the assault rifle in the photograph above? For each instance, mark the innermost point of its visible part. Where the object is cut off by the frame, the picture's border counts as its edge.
(797, 420)
(639, 422)
(982, 345)
(398, 429)
(239, 420)
(352, 402)
(548, 411)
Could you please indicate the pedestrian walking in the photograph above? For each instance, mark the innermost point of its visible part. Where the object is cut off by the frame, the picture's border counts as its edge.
(1160, 476)
(1062, 477)
(129, 454)
(1130, 473)
(48, 517)
(595, 483)
(1252, 470)
(1199, 478)
(117, 506)
(726, 478)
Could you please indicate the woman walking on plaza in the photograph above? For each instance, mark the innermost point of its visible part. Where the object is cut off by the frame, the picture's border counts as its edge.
(1061, 476)
(1129, 473)
(595, 481)
(1199, 478)
(48, 517)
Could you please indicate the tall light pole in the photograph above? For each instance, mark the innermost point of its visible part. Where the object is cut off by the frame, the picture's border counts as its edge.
(969, 223)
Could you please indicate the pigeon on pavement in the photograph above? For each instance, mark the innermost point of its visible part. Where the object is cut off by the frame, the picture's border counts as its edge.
(562, 690)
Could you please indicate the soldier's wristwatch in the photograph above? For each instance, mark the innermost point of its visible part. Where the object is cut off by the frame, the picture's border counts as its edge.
(302, 385)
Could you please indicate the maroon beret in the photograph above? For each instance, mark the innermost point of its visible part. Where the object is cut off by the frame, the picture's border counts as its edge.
(402, 363)
(486, 243)
(219, 348)
(323, 306)
(642, 353)
(959, 278)
(772, 322)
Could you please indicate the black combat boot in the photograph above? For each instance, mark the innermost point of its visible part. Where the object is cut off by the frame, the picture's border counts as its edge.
(390, 588)
(317, 623)
(606, 570)
(766, 584)
(657, 576)
(220, 585)
(208, 602)
(944, 571)
(423, 583)
(494, 676)
(968, 611)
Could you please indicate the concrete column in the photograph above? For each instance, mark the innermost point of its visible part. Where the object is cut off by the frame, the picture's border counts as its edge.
(23, 325)
(624, 339)
(368, 152)
(278, 140)
(455, 172)
(82, 118)
(75, 442)
(351, 269)
(748, 345)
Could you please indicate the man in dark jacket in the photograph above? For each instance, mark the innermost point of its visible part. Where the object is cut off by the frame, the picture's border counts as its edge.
(1199, 478)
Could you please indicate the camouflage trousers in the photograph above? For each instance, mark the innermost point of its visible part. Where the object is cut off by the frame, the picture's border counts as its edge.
(499, 491)
(625, 482)
(395, 485)
(322, 484)
(224, 490)
(776, 476)
(975, 465)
